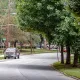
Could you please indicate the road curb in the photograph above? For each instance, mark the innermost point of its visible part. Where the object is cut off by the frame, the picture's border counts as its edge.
(65, 73)
(2, 60)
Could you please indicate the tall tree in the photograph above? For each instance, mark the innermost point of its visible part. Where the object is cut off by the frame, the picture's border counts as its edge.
(42, 15)
(66, 32)
(74, 8)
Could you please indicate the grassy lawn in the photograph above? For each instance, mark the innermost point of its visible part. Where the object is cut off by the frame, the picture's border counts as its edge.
(67, 69)
(1, 52)
(1, 58)
(37, 51)
(34, 51)
(28, 51)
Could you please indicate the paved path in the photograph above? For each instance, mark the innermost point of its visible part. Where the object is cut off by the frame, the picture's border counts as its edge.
(31, 67)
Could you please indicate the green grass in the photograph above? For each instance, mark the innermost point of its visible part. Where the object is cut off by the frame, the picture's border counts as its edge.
(67, 69)
(1, 52)
(1, 58)
(37, 51)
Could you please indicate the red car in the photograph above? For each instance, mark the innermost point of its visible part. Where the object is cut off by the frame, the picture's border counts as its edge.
(64, 50)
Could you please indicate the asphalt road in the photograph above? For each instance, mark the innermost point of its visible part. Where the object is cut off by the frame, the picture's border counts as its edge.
(31, 67)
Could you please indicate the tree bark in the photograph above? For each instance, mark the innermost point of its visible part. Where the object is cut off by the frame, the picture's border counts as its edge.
(68, 54)
(31, 47)
(40, 44)
(75, 59)
(49, 45)
(15, 43)
(62, 55)
(79, 58)
(31, 42)
(42, 39)
(21, 46)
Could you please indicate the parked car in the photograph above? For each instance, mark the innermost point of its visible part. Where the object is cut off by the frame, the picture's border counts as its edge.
(64, 50)
(11, 52)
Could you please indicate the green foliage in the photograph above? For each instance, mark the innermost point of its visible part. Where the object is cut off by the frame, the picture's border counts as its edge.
(50, 17)
(67, 69)
(75, 6)
(4, 6)
(66, 31)
(42, 15)
(76, 44)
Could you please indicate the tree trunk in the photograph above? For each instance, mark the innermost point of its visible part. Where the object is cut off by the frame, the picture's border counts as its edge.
(40, 44)
(62, 55)
(79, 58)
(49, 45)
(31, 42)
(15, 43)
(68, 54)
(75, 59)
(21, 45)
(31, 47)
(42, 39)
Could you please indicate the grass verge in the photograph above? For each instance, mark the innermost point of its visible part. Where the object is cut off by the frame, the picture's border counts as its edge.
(36, 51)
(68, 70)
(1, 58)
(1, 52)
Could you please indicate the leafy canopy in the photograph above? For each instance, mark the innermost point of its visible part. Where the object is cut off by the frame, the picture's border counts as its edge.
(40, 15)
